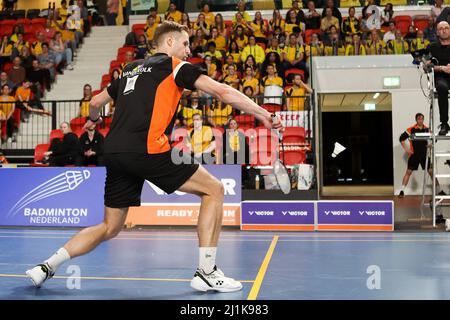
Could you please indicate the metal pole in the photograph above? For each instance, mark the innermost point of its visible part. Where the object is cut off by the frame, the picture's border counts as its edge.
(433, 149)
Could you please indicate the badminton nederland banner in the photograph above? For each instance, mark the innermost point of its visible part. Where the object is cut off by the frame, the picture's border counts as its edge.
(66, 197)
(178, 208)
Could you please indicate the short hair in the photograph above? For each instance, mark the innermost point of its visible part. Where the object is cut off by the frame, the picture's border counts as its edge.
(196, 114)
(44, 44)
(167, 27)
(5, 85)
(419, 115)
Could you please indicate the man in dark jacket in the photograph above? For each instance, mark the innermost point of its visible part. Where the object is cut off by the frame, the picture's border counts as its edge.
(92, 147)
(65, 152)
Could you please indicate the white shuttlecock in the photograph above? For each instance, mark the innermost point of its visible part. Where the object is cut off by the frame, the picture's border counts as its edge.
(338, 148)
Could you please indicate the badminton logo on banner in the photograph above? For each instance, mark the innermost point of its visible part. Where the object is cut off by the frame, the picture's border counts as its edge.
(278, 215)
(67, 197)
(179, 208)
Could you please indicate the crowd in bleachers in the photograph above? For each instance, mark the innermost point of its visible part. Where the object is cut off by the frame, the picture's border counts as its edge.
(35, 47)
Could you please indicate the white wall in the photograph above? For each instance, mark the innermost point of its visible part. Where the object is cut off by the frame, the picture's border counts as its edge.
(364, 74)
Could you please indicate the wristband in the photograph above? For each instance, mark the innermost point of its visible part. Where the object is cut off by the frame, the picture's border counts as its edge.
(93, 119)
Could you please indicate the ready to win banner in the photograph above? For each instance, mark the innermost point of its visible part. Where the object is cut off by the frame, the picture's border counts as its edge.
(73, 197)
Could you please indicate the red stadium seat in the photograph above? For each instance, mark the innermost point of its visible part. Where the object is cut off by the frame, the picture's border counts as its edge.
(7, 66)
(39, 151)
(77, 123)
(79, 132)
(107, 121)
(421, 22)
(23, 21)
(194, 60)
(96, 92)
(40, 21)
(402, 23)
(55, 134)
(103, 131)
(114, 65)
(291, 157)
(272, 108)
(245, 119)
(262, 45)
(179, 134)
(7, 23)
(294, 71)
(309, 33)
(294, 135)
(125, 49)
(6, 30)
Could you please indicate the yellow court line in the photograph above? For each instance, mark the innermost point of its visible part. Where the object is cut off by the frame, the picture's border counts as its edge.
(262, 271)
(109, 278)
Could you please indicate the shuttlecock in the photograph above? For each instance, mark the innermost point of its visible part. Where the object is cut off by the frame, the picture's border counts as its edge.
(338, 148)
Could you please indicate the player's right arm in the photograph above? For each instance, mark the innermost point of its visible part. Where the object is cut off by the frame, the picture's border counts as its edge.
(403, 137)
(235, 98)
(98, 101)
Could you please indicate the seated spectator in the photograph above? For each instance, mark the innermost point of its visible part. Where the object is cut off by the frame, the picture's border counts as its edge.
(5, 81)
(212, 52)
(201, 142)
(430, 31)
(29, 103)
(84, 103)
(15, 34)
(259, 27)
(275, 47)
(219, 113)
(276, 21)
(220, 25)
(36, 46)
(419, 42)
(272, 79)
(253, 49)
(248, 91)
(296, 94)
(356, 47)
(150, 28)
(26, 58)
(334, 11)
(39, 77)
(228, 61)
(6, 48)
(242, 12)
(398, 45)
(49, 31)
(315, 48)
(192, 109)
(313, 18)
(239, 21)
(436, 9)
(18, 45)
(62, 12)
(368, 23)
(328, 21)
(232, 78)
(186, 21)
(17, 73)
(209, 16)
(251, 62)
(294, 54)
(154, 13)
(235, 149)
(65, 152)
(351, 25)
(218, 40)
(280, 35)
(390, 34)
(202, 24)
(375, 46)
(211, 68)
(292, 22)
(142, 48)
(411, 34)
(129, 57)
(239, 37)
(387, 14)
(334, 45)
(234, 51)
(173, 13)
(198, 44)
(7, 107)
(273, 59)
(47, 61)
(62, 54)
(92, 147)
(249, 80)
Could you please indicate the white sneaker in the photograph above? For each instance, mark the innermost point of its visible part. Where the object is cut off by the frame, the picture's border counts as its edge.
(40, 273)
(447, 224)
(215, 280)
(69, 67)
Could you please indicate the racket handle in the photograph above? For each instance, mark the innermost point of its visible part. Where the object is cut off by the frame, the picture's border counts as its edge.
(275, 118)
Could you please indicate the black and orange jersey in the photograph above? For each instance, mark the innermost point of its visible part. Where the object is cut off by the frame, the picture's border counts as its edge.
(146, 98)
(419, 147)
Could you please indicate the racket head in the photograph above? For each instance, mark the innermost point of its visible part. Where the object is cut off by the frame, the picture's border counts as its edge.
(282, 176)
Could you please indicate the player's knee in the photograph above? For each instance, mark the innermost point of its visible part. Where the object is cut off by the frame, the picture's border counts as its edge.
(217, 190)
(111, 231)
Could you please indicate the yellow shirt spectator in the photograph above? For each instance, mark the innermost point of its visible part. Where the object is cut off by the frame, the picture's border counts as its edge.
(200, 139)
(397, 47)
(350, 50)
(176, 15)
(258, 30)
(293, 53)
(231, 81)
(219, 115)
(216, 54)
(84, 107)
(220, 42)
(270, 81)
(419, 44)
(188, 113)
(36, 48)
(375, 48)
(256, 51)
(296, 100)
(253, 82)
(241, 42)
(150, 31)
(7, 108)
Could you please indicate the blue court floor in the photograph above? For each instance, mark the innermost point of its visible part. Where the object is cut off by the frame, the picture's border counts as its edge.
(159, 265)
